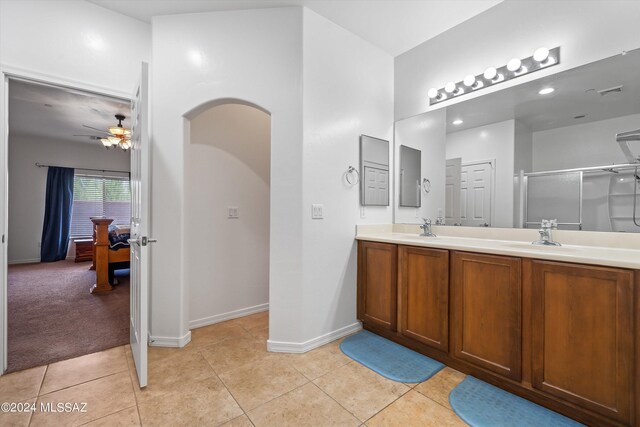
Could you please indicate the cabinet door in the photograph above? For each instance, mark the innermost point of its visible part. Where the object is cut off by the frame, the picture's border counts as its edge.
(377, 291)
(582, 345)
(423, 282)
(487, 312)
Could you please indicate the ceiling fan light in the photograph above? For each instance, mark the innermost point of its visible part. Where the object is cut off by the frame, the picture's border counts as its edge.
(116, 130)
(105, 142)
(127, 133)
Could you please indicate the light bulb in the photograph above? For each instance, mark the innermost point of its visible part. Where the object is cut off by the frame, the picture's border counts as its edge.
(541, 54)
(490, 73)
(450, 87)
(433, 93)
(514, 65)
(105, 142)
(470, 80)
(546, 91)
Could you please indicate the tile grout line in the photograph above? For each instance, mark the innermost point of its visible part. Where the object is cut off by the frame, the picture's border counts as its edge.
(105, 416)
(82, 382)
(226, 388)
(46, 369)
(134, 381)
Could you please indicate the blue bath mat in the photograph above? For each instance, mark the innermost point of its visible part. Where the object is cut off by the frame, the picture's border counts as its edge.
(389, 359)
(482, 405)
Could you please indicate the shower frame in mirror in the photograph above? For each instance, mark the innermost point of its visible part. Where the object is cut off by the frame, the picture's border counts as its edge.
(410, 171)
(374, 167)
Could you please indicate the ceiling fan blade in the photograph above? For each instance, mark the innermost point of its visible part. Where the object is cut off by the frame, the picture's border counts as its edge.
(91, 136)
(96, 129)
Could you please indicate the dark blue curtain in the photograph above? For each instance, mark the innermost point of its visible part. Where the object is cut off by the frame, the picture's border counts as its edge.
(57, 214)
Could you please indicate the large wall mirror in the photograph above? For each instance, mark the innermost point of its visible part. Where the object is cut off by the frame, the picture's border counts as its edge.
(513, 157)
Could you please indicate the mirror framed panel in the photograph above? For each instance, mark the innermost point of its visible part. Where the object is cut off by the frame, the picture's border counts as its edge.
(374, 167)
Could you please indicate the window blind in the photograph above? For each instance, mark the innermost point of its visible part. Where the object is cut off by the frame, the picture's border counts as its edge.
(99, 196)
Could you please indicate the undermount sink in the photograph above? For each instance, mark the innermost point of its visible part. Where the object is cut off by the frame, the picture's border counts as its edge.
(525, 245)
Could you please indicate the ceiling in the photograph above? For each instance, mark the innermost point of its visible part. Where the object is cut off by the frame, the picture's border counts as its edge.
(576, 94)
(59, 113)
(395, 26)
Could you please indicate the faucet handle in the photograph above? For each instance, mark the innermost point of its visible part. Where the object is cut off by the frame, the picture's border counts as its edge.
(427, 220)
(553, 224)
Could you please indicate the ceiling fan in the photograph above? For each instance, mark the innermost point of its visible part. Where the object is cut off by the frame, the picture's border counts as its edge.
(115, 136)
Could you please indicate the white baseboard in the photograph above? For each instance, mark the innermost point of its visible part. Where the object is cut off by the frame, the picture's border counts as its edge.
(24, 261)
(178, 342)
(303, 347)
(206, 321)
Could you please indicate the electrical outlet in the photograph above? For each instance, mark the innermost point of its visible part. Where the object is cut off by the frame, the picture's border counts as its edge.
(316, 211)
(233, 212)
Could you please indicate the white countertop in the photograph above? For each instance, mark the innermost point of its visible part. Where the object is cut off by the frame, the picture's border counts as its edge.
(614, 257)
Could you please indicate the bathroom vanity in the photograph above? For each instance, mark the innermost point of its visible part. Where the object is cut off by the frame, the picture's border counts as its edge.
(556, 325)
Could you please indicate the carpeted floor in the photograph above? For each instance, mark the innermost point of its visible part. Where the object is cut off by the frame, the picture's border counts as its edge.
(52, 315)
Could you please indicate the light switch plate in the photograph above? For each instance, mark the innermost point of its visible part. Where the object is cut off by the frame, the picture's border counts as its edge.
(316, 211)
(233, 212)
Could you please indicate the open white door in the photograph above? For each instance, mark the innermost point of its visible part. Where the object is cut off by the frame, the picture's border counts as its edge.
(452, 191)
(140, 225)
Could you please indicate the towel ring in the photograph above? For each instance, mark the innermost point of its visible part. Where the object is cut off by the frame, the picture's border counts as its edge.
(426, 185)
(352, 175)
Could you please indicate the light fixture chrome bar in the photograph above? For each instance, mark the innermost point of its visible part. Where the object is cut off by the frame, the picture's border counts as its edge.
(493, 76)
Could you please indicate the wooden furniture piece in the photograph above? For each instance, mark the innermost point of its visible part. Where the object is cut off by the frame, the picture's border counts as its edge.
(84, 250)
(584, 323)
(103, 256)
(563, 335)
(486, 306)
(423, 295)
(377, 295)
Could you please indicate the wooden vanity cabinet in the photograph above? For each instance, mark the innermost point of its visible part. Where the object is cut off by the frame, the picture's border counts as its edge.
(377, 290)
(563, 335)
(486, 293)
(423, 295)
(582, 338)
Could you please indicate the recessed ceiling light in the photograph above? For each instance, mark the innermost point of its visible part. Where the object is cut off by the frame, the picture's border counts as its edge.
(546, 91)
(457, 122)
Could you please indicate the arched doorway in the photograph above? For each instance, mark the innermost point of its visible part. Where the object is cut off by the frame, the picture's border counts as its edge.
(226, 210)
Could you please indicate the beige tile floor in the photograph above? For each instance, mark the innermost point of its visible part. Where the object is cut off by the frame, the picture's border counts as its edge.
(226, 377)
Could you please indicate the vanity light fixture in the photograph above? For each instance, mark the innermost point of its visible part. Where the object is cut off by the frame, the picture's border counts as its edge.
(546, 91)
(516, 67)
(457, 122)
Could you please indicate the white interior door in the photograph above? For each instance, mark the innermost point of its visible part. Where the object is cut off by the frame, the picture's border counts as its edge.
(475, 194)
(452, 191)
(140, 225)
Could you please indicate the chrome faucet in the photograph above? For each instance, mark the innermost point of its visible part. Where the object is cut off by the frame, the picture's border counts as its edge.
(546, 227)
(426, 228)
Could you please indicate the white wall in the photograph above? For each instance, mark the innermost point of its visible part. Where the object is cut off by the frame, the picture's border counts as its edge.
(27, 184)
(73, 41)
(510, 29)
(490, 142)
(227, 163)
(588, 144)
(256, 56)
(427, 133)
(348, 91)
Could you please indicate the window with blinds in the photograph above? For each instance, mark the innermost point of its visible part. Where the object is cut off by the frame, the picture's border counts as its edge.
(99, 196)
